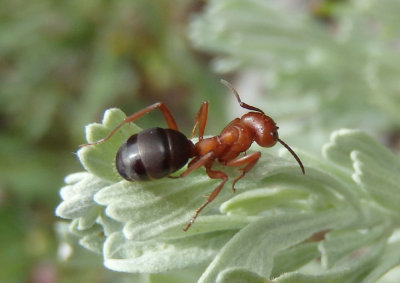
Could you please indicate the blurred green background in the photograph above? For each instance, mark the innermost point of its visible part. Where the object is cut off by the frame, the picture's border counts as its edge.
(63, 62)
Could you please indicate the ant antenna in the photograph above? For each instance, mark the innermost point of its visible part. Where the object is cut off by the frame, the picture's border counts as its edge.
(242, 104)
(294, 155)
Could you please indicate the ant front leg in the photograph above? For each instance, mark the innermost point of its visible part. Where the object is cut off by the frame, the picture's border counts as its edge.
(248, 160)
(214, 175)
(201, 120)
(164, 110)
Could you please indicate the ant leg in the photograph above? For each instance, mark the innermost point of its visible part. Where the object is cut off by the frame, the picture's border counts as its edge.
(250, 160)
(164, 110)
(201, 120)
(242, 104)
(187, 171)
(197, 162)
(214, 175)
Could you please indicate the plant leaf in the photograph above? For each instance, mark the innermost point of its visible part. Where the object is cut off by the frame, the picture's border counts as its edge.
(265, 230)
(78, 200)
(152, 256)
(255, 246)
(239, 275)
(341, 243)
(353, 271)
(100, 159)
(293, 258)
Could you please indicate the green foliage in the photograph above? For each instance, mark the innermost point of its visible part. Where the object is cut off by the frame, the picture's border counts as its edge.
(61, 64)
(276, 226)
(320, 77)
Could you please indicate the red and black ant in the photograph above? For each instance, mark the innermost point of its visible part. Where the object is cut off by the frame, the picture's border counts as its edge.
(156, 153)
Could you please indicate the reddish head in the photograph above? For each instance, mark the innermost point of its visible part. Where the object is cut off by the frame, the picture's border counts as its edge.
(263, 128)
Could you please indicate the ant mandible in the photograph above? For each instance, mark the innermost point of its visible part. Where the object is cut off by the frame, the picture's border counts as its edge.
(156, 153)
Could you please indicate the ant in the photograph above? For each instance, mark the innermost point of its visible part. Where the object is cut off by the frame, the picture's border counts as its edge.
(156, 153)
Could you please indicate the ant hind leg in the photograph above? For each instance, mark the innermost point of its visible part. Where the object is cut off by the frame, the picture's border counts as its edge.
(214, 175)
(164, 110)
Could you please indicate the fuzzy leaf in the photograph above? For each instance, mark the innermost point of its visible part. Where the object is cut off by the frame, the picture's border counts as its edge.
(239, 275)
(158, 256)
(344, 141)
(389, 260)
(149, 208)
(293, 258)
(341, 243)
(78, 200)
(379, 178)
(258, 200)
(100, 159)
(287, 51)
(351, 272)
(263, 231)
(255, 246)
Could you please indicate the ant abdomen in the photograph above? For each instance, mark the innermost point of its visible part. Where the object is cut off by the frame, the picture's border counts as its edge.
(153, 154)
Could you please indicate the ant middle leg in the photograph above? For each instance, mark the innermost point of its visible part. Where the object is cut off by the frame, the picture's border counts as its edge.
(164, 110)
(200, 120)
(248, 160)
(214, 175)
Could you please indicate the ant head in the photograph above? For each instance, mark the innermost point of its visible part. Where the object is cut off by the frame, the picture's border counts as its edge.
(265, 132)
(264, 129)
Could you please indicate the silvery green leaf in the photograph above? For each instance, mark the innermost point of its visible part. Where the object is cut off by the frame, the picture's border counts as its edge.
(273, 216)
(91, 238)
(258, 200)
(155, 256)
(99, 160)
(148, 209)
(210, 223)
(255, 246)
(93, 242)
(78, 200)
(239, 275)
(389, 260)
(287, 50)
(375, 166)
(379, 178)
(70, 250)
(353, 271)
(344, 141)
(341, 243)
(294, 258)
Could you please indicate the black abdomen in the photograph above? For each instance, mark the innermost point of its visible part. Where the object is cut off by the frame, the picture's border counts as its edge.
(152, 154)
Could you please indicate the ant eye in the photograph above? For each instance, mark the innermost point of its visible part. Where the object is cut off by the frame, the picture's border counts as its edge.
(274, 134)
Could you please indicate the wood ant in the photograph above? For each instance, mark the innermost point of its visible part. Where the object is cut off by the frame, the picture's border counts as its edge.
(156, 153)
